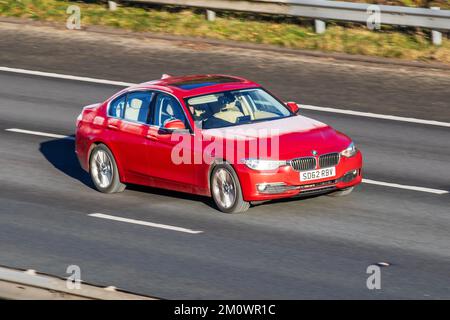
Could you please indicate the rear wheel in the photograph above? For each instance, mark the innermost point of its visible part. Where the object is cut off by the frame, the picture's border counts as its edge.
(226, 190)
(103, 170)
(341, 193)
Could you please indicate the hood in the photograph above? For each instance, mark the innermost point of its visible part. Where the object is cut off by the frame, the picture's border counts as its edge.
(293, 137)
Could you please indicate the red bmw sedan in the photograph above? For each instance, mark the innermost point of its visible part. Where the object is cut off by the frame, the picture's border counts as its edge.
(213, 135)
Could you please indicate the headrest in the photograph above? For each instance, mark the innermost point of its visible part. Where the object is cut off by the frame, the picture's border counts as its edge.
(135, 103)
(226, 99)
(169, 109)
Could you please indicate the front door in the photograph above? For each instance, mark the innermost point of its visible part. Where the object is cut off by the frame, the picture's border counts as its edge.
(166, 166)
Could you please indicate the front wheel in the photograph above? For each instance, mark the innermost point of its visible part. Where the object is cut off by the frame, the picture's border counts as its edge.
(226, 190)
(103, 170)
(341, 193)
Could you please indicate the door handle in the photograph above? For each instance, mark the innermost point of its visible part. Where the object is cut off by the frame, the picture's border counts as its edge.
(151, 137)
(113, 127)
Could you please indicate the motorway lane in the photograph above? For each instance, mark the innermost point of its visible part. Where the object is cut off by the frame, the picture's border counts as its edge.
(314, 248)
(44, 226)
(386, 89)
(412, 154)
(318, 247)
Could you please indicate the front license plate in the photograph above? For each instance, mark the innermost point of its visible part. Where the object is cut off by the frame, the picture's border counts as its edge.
(318, 174)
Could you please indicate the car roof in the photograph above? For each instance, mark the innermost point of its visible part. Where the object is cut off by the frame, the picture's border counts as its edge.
(193, 85)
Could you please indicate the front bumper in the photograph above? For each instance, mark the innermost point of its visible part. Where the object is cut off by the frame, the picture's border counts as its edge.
(285, 182)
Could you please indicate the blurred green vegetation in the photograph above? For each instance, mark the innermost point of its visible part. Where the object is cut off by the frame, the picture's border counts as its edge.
(444, 4)
(286, 32)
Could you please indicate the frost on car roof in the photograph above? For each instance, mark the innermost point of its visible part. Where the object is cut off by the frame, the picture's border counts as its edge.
(189, 84)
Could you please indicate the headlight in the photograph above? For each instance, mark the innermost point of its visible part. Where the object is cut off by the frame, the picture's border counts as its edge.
(350, 151)
(257, 164)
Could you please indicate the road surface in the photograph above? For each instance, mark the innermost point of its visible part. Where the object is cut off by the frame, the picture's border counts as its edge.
(313, 248)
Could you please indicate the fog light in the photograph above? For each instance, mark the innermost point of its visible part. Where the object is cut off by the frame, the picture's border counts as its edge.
(262, 187)
(349, 176)
(274, 187)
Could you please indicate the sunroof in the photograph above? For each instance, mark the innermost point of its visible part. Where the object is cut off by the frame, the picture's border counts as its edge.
(203, 82)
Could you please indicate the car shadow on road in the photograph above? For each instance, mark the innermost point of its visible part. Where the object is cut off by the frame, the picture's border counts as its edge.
(61, 154)
(172, 194)
(299, 199)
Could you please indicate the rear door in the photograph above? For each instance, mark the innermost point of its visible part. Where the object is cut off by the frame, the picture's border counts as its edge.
(129, 126)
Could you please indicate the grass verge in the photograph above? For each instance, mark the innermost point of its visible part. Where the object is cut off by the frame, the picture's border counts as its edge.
(289, 33)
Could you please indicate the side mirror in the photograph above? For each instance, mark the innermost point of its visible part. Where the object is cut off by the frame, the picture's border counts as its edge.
(293, 107)
(174, 125)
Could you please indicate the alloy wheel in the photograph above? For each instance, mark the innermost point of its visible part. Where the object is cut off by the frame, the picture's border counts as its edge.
(102, 169)
(224, 188)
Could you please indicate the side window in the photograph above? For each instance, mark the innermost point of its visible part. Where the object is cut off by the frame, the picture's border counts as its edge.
(167, 108)
(137, 106)
(116, 107)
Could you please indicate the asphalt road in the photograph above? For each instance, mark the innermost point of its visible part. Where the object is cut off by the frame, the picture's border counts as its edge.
(313, 248)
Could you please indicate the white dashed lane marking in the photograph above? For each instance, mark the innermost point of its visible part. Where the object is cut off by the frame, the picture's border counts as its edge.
(143, 223)
(401, 186)
(39, 133)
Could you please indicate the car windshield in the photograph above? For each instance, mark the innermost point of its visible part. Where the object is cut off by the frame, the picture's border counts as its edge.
(232, 108)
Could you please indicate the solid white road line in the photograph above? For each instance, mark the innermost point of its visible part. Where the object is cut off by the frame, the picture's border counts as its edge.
(375, 115)
(66, 76)
(38, 133)
(368, 181)
(309, 107)
(400, 186)
(143, 223)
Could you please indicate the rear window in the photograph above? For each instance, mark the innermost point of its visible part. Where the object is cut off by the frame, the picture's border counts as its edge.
(117, 107)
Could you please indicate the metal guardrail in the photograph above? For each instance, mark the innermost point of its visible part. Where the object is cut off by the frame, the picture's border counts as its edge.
(326, 10)
(18, 284)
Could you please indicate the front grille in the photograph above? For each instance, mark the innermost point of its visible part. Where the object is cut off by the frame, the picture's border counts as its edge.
(329, 160)
(309, 192)
(302, 164)
(317, 184)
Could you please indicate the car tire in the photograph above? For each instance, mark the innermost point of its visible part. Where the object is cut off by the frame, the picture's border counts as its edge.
(226, 190)
(341, 193)
(103, 170)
